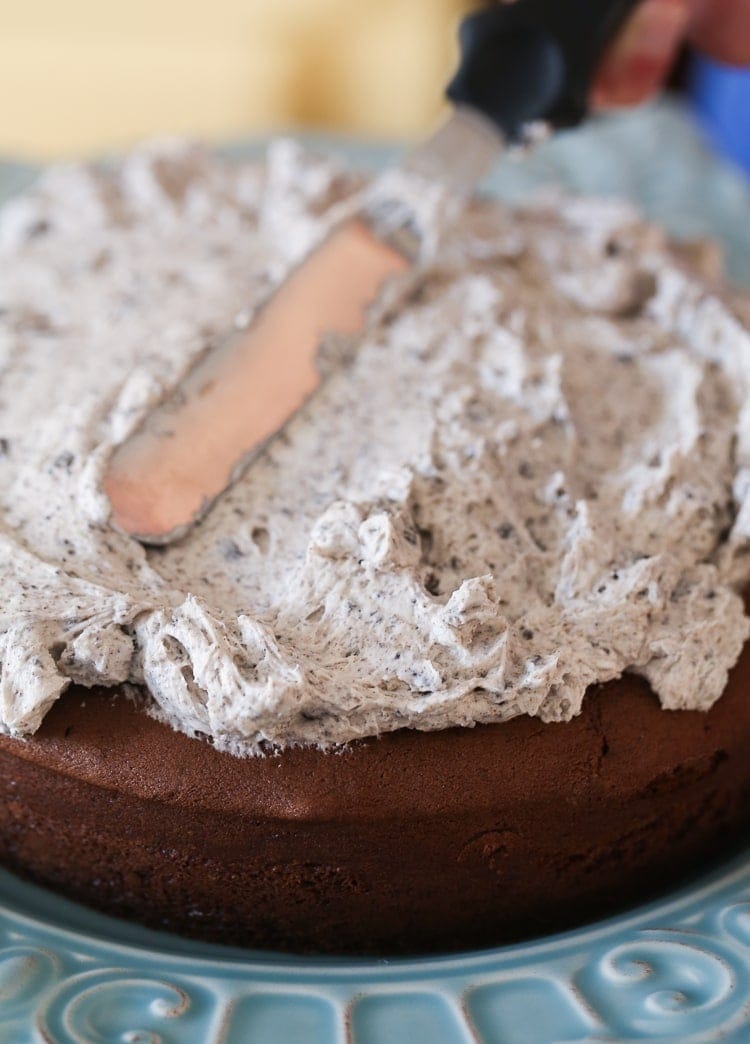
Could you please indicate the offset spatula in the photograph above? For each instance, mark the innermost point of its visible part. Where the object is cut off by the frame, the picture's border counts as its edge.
(521, 63)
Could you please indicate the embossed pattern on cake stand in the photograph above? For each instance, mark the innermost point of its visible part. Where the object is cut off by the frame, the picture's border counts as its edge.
(676, 970)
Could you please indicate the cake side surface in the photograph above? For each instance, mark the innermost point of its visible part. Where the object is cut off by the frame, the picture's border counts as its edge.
(414, 841)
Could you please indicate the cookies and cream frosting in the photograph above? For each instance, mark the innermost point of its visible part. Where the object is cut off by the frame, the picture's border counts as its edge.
(531, 475)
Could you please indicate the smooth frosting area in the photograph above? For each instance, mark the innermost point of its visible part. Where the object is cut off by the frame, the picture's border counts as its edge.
(530, 475)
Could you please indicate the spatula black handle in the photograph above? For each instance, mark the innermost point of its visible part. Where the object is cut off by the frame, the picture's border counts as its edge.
(534, 59)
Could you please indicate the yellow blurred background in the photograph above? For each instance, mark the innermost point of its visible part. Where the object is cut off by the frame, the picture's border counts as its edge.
(79, 76)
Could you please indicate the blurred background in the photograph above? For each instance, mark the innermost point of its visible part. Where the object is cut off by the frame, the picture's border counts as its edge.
(84, 76)
(79, 76)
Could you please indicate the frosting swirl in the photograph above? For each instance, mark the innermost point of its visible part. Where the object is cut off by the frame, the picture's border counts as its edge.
(532, 475)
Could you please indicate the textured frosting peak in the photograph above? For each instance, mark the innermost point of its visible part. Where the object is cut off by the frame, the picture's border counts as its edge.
(532, 475)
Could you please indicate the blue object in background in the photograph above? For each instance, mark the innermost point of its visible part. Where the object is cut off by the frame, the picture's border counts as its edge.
(721, 96)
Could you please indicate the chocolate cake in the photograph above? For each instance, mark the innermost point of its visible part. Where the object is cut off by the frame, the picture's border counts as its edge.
(410, 842)
(458, 658)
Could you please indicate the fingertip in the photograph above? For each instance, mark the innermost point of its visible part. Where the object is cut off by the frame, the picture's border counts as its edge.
(638, 61)
(721, 29)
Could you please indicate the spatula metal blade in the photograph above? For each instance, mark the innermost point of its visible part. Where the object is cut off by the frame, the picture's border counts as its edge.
(241, 393)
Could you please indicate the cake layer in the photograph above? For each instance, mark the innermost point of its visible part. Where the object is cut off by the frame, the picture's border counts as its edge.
(414, 841)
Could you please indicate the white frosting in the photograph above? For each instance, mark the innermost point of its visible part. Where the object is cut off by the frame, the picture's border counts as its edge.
(532, 475)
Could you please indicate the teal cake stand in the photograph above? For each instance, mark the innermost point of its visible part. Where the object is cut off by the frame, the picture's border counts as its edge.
(675, 970)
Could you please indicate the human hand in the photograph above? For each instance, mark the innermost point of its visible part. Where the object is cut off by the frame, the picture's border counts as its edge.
(639, 60)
